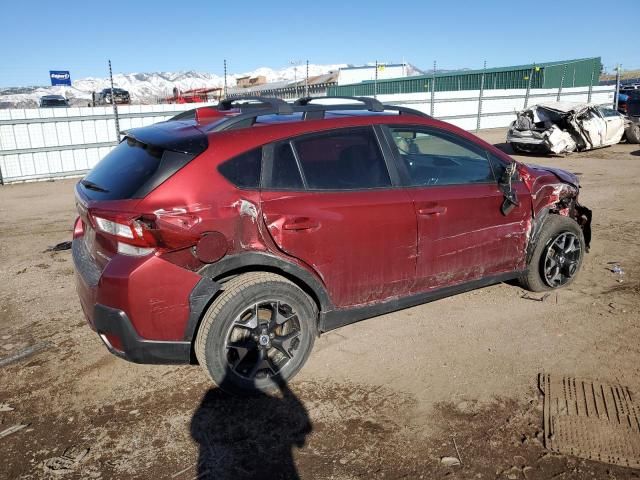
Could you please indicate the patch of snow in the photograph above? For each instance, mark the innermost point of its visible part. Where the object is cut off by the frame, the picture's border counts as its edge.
(149, 87)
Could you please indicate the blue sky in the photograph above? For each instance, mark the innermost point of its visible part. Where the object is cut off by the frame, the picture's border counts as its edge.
(146, 36)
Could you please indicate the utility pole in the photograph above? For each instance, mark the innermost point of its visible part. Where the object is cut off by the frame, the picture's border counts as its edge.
(433, 89)
(225, 78)
(375, 82)
(296, 64)
(564, 73)
(526, 95)
(615, 97)
(306, 82)
(113, 104)
(484, 69)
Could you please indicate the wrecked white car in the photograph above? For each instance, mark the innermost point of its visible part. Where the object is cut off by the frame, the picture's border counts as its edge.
(563, 127)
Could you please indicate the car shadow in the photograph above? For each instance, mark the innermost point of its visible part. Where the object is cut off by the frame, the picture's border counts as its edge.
(505, 147)
(636, 153)
(249, 437)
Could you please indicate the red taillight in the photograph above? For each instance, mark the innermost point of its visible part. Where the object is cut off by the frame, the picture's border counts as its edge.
(123, 227)
(78, 228)
(140, 234)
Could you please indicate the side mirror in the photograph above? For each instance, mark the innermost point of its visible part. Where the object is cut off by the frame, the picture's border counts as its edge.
(510, 196)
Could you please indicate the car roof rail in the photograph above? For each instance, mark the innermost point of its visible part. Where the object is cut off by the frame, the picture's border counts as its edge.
(278, 105)
(372, 104)
(309, 111)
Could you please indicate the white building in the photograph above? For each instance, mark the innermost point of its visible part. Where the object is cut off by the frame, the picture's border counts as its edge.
(349, 75)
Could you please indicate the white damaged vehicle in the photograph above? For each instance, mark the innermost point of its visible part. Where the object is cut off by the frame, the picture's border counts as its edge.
(563, 127)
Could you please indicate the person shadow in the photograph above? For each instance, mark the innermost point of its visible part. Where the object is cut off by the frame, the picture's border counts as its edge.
(249, 437)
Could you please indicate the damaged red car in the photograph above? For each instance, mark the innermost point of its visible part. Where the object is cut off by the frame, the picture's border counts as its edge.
(232, 236)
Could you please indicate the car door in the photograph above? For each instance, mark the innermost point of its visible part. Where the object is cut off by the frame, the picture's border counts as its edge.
(615, 125)
(462, 233)
(593, 125)
(328, 200)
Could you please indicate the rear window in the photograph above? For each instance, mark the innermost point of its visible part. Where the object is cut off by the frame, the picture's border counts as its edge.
(132, 170)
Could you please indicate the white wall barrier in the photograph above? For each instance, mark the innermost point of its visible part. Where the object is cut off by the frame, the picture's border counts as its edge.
(48, 143)
(44, 143)
(498, 106)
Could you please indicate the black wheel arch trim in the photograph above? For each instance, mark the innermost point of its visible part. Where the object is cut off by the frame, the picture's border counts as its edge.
(208, 287)
(200, 298)
(536, 228)
(540, 219)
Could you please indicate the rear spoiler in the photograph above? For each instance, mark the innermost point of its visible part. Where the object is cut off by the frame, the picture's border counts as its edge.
(176, 137)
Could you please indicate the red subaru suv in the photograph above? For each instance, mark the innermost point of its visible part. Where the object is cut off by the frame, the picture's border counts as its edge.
(232, 236)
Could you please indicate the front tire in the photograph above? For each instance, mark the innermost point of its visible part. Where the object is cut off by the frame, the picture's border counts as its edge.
(557, 256)
(257, 334)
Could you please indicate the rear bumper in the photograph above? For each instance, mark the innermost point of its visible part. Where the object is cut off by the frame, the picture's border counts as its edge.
(146, 310)
(111, 322)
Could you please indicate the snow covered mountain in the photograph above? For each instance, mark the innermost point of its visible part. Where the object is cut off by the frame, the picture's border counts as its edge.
(147, 87)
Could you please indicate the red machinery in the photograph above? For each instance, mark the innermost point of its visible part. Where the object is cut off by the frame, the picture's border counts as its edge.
(195, 95)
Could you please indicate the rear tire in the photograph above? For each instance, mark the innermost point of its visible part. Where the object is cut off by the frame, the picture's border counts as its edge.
(257, 334)
(633, 133)
(557, 256)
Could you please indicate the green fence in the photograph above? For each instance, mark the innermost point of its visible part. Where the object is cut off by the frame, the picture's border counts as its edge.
(569, 73)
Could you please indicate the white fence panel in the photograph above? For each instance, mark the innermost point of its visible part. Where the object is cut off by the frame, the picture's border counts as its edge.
(52, 142)
(46, 143)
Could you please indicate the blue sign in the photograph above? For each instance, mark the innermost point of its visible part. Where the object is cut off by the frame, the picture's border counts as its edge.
(60, 77)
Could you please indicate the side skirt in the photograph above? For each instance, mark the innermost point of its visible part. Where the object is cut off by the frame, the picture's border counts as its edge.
(338, 318)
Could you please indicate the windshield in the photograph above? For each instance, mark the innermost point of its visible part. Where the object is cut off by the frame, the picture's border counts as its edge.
(54, 102)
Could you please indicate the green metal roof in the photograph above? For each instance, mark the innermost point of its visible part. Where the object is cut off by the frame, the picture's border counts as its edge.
(568, 73)
(488, 70)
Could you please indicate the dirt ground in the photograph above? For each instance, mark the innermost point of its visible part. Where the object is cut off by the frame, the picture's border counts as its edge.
(384, 398)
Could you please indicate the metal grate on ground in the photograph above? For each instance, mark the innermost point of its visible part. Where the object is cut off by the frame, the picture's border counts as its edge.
(591, 419)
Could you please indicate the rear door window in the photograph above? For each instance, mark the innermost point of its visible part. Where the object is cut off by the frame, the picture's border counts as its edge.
(348, 159)
(132, 170)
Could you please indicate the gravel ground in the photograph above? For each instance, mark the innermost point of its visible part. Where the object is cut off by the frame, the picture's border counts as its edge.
(384, 398)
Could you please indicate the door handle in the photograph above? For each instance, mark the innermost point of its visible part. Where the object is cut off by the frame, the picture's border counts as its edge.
(300, 223)
(429, 211)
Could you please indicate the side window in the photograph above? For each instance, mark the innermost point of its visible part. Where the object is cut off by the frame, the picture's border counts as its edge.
(244, 170)
(342, 160)
(432, 157)
(285, 173)
(608, 112)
